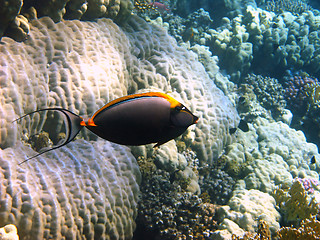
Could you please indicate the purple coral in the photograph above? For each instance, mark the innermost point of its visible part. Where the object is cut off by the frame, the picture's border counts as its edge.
(296, 93)
(308, 183)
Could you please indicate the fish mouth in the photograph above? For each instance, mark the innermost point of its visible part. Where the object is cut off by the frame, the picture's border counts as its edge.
(195, 119)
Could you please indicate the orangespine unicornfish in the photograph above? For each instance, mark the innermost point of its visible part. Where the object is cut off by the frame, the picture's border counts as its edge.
(133, 120)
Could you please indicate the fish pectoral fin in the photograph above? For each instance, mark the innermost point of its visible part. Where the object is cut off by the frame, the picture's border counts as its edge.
(160, 143)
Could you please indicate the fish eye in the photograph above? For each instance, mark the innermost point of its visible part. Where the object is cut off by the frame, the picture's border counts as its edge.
(179, 108)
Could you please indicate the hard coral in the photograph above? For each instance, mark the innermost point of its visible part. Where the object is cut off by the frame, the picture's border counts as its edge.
(66, 65)
(263, 233)
(14, 15)
(303, 99)
(9, 232)
(294, 6)
(218, 184)
(294, 204)
(18, 29)
(297, 91)
(309, 230)
(166, 212)
(309, 184)
(269, 92)
(87, 190)
(9, 9)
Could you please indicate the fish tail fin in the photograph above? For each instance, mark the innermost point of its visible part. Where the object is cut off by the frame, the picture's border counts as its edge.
(73, 127)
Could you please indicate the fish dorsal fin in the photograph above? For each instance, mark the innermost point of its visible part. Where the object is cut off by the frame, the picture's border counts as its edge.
(171, 100)
(73, 127)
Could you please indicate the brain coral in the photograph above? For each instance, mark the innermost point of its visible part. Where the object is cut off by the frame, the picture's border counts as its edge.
(87, 190)
(81, 66)
(13, 10)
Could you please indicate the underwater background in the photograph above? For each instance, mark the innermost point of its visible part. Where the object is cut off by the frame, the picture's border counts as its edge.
(226, 61)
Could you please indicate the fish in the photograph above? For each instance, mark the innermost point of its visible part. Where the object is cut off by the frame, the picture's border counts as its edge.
(160, 7)
(188, 34)
(132, 120)
(313, 159)
(243, 125)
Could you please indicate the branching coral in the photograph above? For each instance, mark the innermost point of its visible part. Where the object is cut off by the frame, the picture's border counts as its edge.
(166, 212)
(269, 92)
(309, 230)
(301, 93)
(218, 184)
(294, 6)
(294, 204)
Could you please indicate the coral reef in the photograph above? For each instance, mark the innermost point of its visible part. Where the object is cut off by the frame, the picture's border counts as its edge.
(272, 153)
(246, 208)
(278, 6)
(218, 185)
(295, 204)
(69, 69)
(217, 9)
(88, 189)
(190, 29)
(265, 42)
(230, 43)
(252, 40)
(309, 184)
(263, 233)
(167, 212)
(282, 45)
(309, 230)
(269, 92)
(248, 106)
(8, 12)
(302, 95)
(15, 25)
(81, 66)
(298, 93)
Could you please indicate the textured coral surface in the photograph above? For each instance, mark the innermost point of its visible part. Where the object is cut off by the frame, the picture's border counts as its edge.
(82, 65)
(85, 190)
(89, 188)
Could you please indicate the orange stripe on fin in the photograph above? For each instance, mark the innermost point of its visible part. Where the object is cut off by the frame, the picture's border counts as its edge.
(173, 103)
(91, 123)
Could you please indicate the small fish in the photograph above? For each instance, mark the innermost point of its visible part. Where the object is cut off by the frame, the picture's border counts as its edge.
(133, 120)
(313, 160)
(243, 125)
(188, 34)
(160, 7)
(232, 130)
